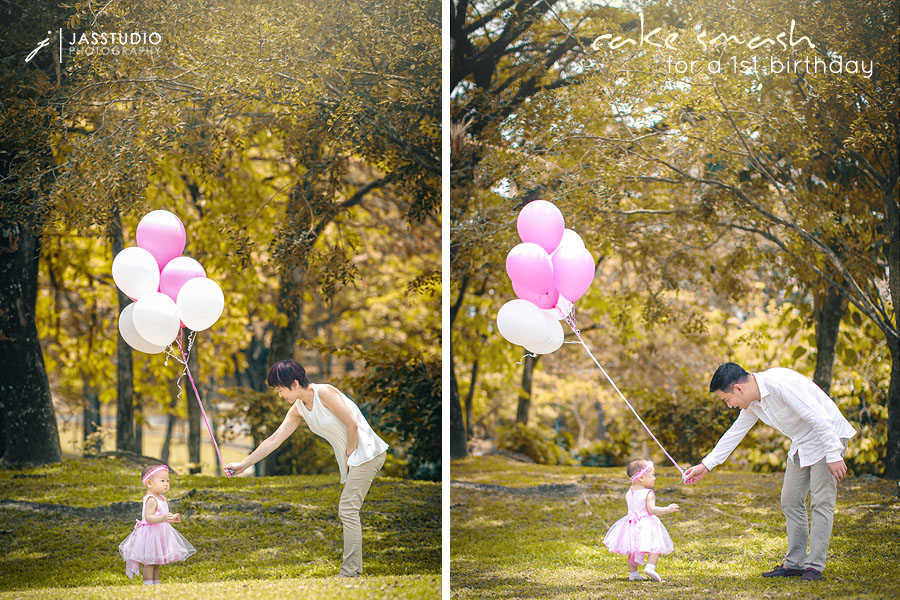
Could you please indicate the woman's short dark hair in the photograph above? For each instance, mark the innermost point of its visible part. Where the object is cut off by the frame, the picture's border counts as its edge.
(285, 372)
(726, 376)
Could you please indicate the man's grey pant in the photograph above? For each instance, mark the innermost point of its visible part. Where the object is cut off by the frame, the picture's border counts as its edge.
(821, 486)
(355, 489)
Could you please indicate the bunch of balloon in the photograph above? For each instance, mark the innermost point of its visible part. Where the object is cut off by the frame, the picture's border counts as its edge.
(550, 270)
(169, 290)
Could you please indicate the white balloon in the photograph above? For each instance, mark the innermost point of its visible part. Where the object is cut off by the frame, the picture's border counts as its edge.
(521, 322)
(553, 339)
(562, 309)
(135, 272)
(156, 318)
(569, 238)
(200, 303)
(131, 335)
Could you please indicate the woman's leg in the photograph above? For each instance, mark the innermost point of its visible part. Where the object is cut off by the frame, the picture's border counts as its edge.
(355, 489)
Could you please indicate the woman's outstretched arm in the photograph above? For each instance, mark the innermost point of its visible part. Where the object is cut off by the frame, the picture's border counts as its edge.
(268, 445)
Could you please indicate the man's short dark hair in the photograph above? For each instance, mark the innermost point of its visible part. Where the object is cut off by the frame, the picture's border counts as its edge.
(285, 372)
(726, 376)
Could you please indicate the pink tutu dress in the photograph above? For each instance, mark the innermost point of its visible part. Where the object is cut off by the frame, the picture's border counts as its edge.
(638, 532)
(153, 543)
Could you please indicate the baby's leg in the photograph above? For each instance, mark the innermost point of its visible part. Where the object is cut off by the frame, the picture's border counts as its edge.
(155, 573)
(633, 573)
(650, 569)
(149, 572)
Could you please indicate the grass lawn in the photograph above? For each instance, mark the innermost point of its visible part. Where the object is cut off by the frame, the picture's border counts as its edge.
(531, 531)
(272, 537)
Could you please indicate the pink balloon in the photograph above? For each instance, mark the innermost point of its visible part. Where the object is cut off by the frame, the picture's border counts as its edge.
(176, 272)
(546, 299)
(541, 222)
(162, 234)
(528, 265)
(573, 271)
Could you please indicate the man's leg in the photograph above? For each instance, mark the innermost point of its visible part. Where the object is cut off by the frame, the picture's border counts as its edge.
(793, 505)
(823, 494)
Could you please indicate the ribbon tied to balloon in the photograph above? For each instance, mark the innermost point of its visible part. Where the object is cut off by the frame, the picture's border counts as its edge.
(170, 291)
(550, 271)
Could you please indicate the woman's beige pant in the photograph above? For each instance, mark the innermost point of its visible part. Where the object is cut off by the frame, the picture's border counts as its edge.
(355, 489)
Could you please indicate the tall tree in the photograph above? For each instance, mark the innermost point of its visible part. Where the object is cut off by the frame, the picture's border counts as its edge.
(28, 434)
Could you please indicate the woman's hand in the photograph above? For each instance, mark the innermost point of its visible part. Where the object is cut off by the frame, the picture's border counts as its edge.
(236, 468)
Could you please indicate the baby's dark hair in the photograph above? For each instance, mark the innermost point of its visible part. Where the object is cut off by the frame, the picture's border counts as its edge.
(147, 469)
(635, 466)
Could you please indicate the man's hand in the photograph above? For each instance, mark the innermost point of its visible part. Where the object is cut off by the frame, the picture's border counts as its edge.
(838, 469)
(695, 473)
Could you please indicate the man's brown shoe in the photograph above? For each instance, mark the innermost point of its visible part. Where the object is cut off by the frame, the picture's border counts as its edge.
(811, 575)
(780, 571)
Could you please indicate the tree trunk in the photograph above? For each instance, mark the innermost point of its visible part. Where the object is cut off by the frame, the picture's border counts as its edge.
(138, 425)
(193, 408)
(470, 395)
(211, 413)
(457, 427)
(91, 420)
(254, 376)
(892, 214)
(125, 438)
(29, 436)
(172, 415)
(167, 442)
(525, 392)
(829, 308)
(290, 304)
(601, 425)
(892, 454)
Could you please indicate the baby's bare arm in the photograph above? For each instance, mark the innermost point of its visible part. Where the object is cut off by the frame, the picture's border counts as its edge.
(656, 510)
(150, 512)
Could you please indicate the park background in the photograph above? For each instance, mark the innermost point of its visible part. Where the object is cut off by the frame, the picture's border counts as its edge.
(299, 144)
(747, 215)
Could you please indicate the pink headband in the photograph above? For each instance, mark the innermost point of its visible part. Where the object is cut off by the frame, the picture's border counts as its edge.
(642, 472)
(153, 472)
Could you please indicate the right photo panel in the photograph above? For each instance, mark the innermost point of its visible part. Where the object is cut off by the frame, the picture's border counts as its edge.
(674, 282)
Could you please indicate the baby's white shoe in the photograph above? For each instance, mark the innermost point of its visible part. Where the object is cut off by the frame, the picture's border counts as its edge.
(650, 571)
(635, 576)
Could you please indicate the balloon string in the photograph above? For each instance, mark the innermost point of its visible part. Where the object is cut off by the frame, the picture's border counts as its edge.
(522, 360)
(187, 370)
(613, 383)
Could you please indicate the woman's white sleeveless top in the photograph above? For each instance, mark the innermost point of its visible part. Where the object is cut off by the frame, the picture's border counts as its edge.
(324, 423)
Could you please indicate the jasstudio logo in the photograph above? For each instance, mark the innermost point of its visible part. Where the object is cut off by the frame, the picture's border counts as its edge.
(114, 43)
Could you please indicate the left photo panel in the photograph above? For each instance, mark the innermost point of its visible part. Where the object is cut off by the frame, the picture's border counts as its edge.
(220, 299)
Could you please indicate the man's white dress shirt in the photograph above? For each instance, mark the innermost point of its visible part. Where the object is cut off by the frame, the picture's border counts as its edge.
(798, 408)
